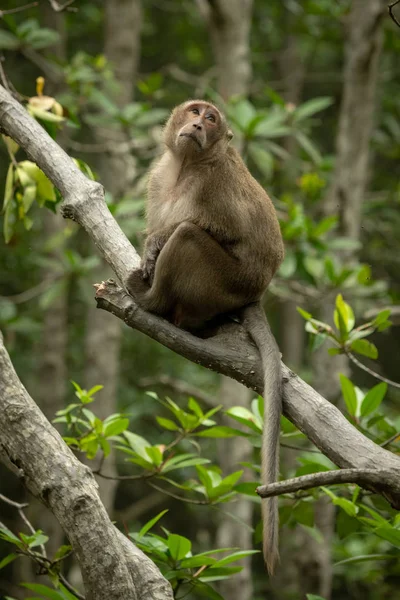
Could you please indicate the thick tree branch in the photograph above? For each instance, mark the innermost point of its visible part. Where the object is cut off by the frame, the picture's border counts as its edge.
(111, 565)
(230, 352)
(372, 479)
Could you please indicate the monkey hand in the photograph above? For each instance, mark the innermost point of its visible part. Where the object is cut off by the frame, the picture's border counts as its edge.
(151, 251)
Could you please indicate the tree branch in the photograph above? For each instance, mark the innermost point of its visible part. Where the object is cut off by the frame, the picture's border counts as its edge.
(371, 479)
(111, 565)
(391, 12)
(230, 352)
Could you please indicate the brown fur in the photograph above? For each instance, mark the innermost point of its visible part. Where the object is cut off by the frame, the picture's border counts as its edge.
(213, 246)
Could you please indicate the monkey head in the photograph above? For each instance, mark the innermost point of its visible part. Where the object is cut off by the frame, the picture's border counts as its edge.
(196, 127)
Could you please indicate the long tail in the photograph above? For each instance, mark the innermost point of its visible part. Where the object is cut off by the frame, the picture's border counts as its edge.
(257, 325)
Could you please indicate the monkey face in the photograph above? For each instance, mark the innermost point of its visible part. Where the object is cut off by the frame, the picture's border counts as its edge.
(197, 126)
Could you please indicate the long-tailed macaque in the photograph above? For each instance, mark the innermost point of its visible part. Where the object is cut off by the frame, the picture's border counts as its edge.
(213, 246)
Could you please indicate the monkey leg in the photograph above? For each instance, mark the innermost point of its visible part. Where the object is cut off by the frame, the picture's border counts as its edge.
(194, 279)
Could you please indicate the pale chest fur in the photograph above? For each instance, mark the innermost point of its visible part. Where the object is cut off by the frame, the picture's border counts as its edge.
(171, 197)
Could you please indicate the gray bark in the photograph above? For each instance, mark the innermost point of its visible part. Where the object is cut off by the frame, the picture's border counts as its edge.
(362, 52)
(112, 567)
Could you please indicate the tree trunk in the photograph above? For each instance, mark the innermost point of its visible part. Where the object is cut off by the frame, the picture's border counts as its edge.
(103, 336)
(363, 44)
(362, 51)
(235, 528)
(229, 23)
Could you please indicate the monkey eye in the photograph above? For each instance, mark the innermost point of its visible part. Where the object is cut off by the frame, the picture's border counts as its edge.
(211, 118)
(195, 111)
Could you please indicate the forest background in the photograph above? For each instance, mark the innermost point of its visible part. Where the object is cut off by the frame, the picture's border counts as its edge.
(311, 90)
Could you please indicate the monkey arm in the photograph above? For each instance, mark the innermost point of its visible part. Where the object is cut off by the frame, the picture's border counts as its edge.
(155, 242)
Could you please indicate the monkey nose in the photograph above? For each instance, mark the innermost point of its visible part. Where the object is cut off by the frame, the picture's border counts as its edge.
(197, 126)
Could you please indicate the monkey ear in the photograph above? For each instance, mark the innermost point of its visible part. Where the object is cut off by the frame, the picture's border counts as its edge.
(229, 135)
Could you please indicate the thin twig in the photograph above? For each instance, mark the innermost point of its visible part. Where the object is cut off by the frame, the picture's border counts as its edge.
(179, 386)
(3, 77)
(362, 477)
(124, 477)
(370, 371)
(391, 12)
(10, 11)
(60, 7)
(32, 292)
(70, 588)
(24, 518)
(172, 495)
(12, 502)
(390, 440)
(283, 445)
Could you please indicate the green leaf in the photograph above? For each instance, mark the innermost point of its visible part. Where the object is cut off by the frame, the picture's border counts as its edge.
(195, 408)
(248, 488)
(206, 591)
(325, 225)
(138, 444)
(219, 573)
(334, 351)
(8, 41)
(314, 597)
(364, 558)
(235, 556)
(311, 107)
(308, 147)
(37, 539)
(151, 523)
(289, 265)
(365, 348)
(220, 431)
(167, 424)
(243, 113)
(105, 446)
(94, 390)
(116, 427)
(7, 560)
(189, 462)
(349, 394)
(62, 551)
(178, 546)
(381, 317)
(7, 535)
(9, 189)
(348, 506)
(45, 115)
(263, 159)
(246, 417)
(390, 534)
(42, 38)
(373, 399)
(343, 316)
(306, 315)
(43, 590)
(9, 222)
(314, 266)
(155, 455)
(272, 126)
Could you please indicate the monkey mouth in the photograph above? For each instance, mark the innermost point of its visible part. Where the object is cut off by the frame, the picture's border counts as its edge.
(192, 136)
